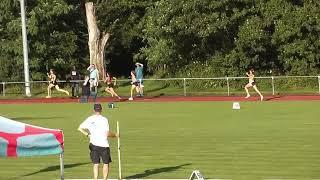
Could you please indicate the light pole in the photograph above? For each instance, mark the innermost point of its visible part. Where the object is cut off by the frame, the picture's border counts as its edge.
(25, 49)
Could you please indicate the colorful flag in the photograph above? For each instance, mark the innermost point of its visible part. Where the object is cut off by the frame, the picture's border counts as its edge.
(19, 139)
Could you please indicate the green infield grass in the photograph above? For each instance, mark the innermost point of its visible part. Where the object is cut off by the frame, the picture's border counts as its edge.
(263, 140)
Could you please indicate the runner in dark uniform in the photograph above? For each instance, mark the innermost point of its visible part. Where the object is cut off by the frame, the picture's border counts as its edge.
(53, 83)
(110, 85)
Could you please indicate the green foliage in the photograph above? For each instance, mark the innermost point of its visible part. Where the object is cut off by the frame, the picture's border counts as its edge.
(276, 36)
(186, 38)
(52, 43)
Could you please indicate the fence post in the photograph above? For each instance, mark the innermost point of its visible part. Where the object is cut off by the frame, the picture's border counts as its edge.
(184, 87)
(319, 83)
(3, 89)
(272, 81)
(228, 86)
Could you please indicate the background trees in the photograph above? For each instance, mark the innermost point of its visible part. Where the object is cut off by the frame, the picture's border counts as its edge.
(174, 38)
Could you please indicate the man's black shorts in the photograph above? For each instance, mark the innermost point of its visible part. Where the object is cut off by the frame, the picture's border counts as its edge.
(97, 152)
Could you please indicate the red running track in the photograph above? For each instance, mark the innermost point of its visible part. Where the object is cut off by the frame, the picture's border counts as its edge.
(165, 99)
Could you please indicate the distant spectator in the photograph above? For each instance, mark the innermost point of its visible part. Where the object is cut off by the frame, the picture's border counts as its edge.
(139, 76)
(94, 75)
(75, 76)
(86, 88)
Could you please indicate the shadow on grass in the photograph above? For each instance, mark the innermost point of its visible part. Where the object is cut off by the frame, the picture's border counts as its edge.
(273, 98)
(157, 96)
(35, 118)
(154, 171)
(157, 89)
(39, 93)
(54, 168)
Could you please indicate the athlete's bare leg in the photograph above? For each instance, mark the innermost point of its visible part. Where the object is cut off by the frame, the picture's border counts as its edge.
(138, 90)
(50, 86)
(108, 90)
(61, 90)
(247, 90)
(256, 89)
(131, 91)
(111, 90)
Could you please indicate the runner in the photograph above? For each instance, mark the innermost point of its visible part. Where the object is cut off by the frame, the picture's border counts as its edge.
(53, 83)
(134, 84)
(110, 85)
(252, 83)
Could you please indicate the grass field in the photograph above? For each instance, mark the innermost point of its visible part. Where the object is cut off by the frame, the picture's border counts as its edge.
(263, 140)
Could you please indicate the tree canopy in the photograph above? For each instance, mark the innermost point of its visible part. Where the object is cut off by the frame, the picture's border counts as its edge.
(193, 38)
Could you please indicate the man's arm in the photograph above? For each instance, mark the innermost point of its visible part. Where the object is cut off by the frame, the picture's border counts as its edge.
(113, 135)
(139, 64)
(86, 80)
(89, 67)
(84, 131)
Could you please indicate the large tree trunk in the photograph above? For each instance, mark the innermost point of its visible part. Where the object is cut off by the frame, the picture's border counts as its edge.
(97, 40)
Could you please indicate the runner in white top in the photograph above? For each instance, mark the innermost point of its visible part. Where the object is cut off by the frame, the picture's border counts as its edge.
(252, 83)
(96, 127)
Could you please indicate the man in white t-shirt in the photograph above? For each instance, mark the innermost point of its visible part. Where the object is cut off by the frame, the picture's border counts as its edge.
(96, 127)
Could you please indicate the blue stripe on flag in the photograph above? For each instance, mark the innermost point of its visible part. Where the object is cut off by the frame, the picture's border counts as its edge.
(3, 147)
(37, 145)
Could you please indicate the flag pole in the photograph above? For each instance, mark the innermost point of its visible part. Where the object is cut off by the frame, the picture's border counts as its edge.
(61, 166)
(25, 49)
(119, 155)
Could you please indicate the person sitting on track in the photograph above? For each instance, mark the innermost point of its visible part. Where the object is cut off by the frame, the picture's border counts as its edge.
(53, 83)
(134, 84)
(110, 85)
(252, 83)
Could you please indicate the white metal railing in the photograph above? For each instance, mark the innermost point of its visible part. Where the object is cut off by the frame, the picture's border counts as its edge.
(185, 80)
